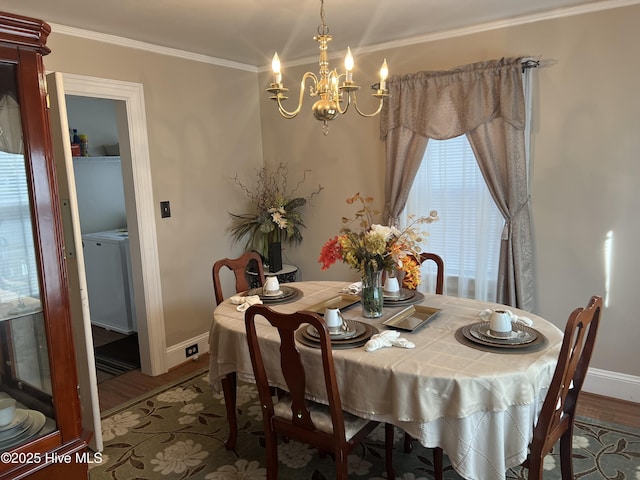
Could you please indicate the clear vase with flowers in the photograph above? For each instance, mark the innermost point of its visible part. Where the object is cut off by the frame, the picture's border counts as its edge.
(372, 248)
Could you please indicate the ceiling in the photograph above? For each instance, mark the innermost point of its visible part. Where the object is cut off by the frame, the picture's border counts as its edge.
(249, 31)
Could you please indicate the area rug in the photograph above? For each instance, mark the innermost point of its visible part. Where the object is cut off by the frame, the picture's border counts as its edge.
(178, 432)
(118, 356)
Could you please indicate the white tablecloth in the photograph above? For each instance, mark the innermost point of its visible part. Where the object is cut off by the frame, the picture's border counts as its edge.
(479, 406)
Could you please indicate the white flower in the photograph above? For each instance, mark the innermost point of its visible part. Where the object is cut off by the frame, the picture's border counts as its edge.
(186, 419)
(638, 473)
(358, 466)
(118, 425)
(385, 232)
(246, 394)
(177, 395)
(255, 411)
(549, 462)
(243, 470)
(192, 408)
(97, 461)
(279, 219)
(178, 457)
(295, 454)
(580, 441)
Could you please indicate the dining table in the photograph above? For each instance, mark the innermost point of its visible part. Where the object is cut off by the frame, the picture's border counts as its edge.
(477, 401)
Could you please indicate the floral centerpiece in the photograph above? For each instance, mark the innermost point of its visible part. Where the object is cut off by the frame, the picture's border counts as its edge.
(371, 248)
(275, 215)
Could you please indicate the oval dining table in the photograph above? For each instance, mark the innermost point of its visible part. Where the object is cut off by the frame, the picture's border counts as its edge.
(478, 403)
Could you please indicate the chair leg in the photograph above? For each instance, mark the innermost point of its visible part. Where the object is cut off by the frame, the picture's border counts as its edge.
(342, 466)
(388, 450)
(229, 391)
(566, 465)
(438, 468)
(271, 448)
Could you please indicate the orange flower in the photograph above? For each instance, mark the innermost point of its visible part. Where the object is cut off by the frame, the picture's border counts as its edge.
(331, 252)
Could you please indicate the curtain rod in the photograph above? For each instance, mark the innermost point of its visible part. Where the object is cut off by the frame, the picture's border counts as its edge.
(529, 63)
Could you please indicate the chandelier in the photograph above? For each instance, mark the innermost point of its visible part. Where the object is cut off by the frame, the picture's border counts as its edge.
(336, 91)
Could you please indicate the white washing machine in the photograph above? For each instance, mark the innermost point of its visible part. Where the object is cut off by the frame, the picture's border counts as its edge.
(108, 270)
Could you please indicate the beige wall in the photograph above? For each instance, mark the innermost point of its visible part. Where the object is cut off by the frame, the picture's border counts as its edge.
(585, 168)
(206, 122)
(199, 136)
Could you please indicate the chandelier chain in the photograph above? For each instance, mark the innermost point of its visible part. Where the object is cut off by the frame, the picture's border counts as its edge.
(323, 29)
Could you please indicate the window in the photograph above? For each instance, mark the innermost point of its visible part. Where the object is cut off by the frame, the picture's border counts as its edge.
(18, 273)
(468, 234)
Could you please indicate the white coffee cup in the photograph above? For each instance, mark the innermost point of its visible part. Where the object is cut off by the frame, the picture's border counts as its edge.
(333, 319)
(7, 411)
(391, 286)
(500, 323)
(271, 286)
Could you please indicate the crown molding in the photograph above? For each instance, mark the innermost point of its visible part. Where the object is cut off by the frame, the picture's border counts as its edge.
(149, 47)
(431, 37)
(479, 28)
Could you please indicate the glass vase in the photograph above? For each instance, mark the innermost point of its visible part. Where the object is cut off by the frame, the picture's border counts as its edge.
(372, 295)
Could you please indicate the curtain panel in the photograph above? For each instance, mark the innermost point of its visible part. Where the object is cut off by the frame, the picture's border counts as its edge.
(485, 101)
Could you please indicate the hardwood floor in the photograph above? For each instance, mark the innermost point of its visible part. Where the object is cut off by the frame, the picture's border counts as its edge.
(609, 409)
(118, 390)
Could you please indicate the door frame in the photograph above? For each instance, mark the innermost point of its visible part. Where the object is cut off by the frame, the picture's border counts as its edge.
(136, 174)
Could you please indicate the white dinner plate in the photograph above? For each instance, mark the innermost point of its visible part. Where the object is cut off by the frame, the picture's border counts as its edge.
(37, 422)
(20, 417)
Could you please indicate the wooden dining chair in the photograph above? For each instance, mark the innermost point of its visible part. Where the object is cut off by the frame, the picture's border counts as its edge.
(558, 410)
(327, 428)
(239, 267)
(437, 259)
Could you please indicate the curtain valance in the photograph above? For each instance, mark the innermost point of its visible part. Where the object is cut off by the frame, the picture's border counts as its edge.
(446, 104)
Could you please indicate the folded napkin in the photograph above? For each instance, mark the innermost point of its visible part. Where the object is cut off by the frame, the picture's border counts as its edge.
(388, 338)
(486, 315)
(353, 289)
(243, 302)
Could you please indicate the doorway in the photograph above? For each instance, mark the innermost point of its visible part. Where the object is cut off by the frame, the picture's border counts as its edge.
(102, 213)
(134, 153)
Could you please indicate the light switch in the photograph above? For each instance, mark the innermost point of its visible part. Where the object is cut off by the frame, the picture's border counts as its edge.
(165, 209)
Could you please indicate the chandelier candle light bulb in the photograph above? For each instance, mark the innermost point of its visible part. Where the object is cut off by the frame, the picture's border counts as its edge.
(275, 67)
(384, 73)
(348, 66)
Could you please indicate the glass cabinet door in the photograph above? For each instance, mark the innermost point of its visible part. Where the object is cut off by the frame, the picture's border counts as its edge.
(26, 408)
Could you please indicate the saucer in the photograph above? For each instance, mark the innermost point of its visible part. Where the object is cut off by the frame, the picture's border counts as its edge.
(272, 294)
(521, 335)
(352, 331)
(498, 335)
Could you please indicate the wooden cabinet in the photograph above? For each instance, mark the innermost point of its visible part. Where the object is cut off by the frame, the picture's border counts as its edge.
(44, 437)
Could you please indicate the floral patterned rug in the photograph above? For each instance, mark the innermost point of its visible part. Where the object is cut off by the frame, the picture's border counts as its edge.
(179, 432)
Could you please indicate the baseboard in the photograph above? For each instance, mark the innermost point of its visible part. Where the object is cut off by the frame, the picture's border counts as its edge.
(612, 384)
(175, 354)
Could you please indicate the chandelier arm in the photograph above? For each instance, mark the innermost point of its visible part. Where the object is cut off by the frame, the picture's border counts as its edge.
(283, 111)
(355, 104)
(348, 102)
